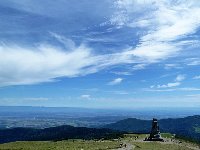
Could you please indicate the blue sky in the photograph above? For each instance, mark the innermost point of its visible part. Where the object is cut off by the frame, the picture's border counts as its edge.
(100, 54)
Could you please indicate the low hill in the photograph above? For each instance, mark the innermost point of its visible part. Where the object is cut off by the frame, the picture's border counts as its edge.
(188, 127)
(55, 134)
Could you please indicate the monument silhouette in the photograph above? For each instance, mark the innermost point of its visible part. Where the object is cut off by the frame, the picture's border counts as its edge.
(155, 132)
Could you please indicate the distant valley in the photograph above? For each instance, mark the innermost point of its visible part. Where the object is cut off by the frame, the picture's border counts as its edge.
(45, 117)
(186, 128)
(41, 124)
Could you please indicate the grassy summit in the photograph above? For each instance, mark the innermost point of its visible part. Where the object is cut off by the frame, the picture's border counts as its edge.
(61, 145)
(133, 141)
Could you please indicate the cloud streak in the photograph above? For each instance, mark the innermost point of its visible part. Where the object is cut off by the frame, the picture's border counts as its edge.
(116, 81)
(169, 85)
(165, 26)
(184, 89)
(180, 78)
(86, 96)
(196, 77)
(21, 65)
(165, 23)
(177, 82)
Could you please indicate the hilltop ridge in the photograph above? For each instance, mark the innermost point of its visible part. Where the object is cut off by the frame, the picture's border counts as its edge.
(187, 127)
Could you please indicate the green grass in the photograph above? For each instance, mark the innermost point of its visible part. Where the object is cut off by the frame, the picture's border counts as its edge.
(197, 129)
(143, 136)
(167, 135)
(135, 139)
(135, 136)
(158, 146)
(61, 145)
(140, 145)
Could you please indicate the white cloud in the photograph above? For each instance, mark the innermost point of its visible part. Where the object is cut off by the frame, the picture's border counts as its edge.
(20, 65)
(121, 73)
(36, 99)
(169, 85)
(190, 89)
(194, 95)
(117, 92)
(180, 78)
(177, 82)
(152, 86)
(186, 89)
(121, 92)
(116, 81)
(196, 77)
(86, 96)
(68, 43)
(193, 62)
(164, 22)
(139, 66)
(172, 66)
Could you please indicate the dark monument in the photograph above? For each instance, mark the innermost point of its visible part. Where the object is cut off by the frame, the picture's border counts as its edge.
(155, 132)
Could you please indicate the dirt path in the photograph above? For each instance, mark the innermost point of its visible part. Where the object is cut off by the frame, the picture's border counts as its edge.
(167, 141)
(176, 142)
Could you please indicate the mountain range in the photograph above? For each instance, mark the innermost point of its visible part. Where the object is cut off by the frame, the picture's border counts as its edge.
(56, 134)
(188, 127)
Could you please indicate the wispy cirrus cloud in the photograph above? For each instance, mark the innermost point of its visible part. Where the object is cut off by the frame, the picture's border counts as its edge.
(126, 73)
(196, 77)
(172, 66)
(86, 96)
(183, 89)
(180, 78)
(162, 29)
(116, 81)
(24, 65)
(139, 66)
(193, 61)
(165, 24)
(169, 85)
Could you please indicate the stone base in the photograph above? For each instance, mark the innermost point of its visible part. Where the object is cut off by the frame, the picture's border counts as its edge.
(154, 139)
